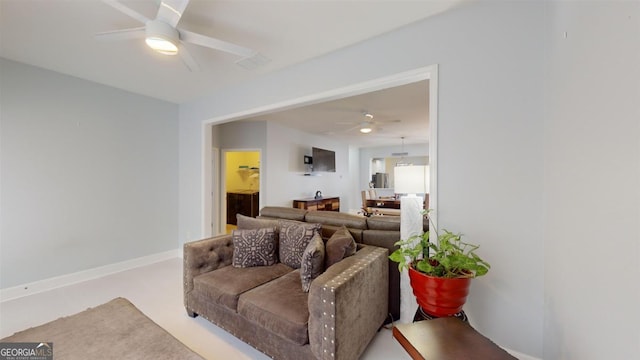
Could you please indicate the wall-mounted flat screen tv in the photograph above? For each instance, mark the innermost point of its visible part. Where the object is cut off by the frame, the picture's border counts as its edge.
(323, 160)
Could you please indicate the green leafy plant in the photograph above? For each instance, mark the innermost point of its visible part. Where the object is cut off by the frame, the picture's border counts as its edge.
(449, 258)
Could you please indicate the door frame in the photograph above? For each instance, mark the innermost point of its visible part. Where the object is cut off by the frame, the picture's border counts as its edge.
(216, 192)
(222, 209)
(420, 74)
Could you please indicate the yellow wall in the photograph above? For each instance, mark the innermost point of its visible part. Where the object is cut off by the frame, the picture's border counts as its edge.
(242, 179)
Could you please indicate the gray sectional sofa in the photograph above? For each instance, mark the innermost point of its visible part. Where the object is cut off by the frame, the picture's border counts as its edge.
(265, 306)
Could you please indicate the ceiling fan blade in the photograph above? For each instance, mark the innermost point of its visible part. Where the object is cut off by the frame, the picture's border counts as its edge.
(126, 10)
(187, 59)
(124, 34)
(352, 128)
(388, 121)
(170, 11)
(206, 41)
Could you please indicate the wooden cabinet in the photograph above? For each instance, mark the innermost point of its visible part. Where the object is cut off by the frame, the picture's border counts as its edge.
(322, 204)
(243, 202)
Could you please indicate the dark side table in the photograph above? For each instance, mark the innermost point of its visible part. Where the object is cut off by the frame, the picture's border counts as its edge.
(423, 315)
(446, 338)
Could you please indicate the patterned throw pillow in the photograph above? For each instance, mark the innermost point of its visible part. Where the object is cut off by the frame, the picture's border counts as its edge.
(255, 247)
(312, 262)
(294, 238)
(339, 246)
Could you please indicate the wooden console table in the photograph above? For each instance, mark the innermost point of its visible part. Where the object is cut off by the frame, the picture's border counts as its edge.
(446, 339)
(322, 204)
(383, 203)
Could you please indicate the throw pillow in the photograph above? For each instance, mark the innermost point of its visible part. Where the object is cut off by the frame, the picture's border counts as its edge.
(294, 238)
(339, 246)
(256, 247)
(312, 262)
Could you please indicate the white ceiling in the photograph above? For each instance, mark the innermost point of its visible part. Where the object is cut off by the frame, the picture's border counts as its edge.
(58, 35)
(398, 112)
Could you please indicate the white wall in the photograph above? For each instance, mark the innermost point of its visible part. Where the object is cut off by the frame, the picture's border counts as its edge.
(88, 175)
(592, 181)
(285, 180)
(355, 201)
(490, 153)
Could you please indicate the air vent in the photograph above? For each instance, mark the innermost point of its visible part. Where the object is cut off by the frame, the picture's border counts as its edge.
(254, 61)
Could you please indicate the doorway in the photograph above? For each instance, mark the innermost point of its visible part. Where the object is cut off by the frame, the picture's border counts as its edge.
(241, 185)
(381, 171)
(426, 73)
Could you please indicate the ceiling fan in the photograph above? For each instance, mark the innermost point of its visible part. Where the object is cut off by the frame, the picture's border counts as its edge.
(367, 124)
(162, 35)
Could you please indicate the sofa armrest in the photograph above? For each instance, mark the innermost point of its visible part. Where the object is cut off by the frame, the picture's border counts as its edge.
(205, 255)
(348, 303)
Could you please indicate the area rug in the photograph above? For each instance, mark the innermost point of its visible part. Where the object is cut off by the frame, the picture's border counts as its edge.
(115, 330)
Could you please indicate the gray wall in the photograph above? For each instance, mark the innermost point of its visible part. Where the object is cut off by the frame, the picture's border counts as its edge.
(88, 174)
(591, 188)
(243, 135)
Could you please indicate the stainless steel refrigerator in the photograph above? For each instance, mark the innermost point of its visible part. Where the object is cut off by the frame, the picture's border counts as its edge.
(380, 180)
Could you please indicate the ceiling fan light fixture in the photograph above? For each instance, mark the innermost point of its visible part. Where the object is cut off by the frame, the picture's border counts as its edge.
(162, 46)
(161, 37)
(365, 130)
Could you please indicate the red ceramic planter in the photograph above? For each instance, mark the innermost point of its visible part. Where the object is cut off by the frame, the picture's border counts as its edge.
(439, 296)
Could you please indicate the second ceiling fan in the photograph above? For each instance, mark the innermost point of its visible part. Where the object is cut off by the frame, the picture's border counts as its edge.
(367, 124)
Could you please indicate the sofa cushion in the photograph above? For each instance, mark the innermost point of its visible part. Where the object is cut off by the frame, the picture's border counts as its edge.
(339, 246)
(279, 306)
(247, 222)
(391, 223)
(217, 286)
(294, 238)
(279, 212)
(337, 219)
(384, 223)
(381, 238)
(312, 262)
(256, 247)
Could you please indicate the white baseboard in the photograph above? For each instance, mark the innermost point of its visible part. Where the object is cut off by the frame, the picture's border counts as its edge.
(84, 275)
(520, 355)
